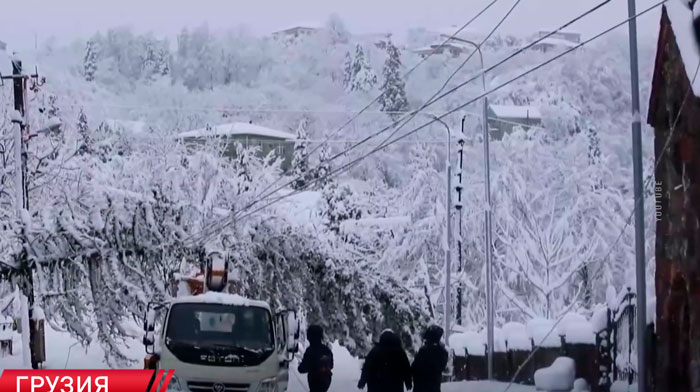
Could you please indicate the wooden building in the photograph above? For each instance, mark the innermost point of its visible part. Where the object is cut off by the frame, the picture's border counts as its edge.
(674, 113)
(248, 135)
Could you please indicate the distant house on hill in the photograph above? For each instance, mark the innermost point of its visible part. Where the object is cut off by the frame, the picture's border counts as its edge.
(248, 135)
(561, 40)
(3, 46)
(565, 35)
(504, 118)
(674, 113)
(452, 48)
(297, 31)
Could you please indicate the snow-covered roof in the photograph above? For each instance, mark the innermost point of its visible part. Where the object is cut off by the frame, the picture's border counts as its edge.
(238, 128)
(302, 25)
(213, 297)
(512, 111)
(557, 42)
(681, 22)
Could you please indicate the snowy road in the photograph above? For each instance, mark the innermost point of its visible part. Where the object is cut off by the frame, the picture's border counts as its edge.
(63, 352)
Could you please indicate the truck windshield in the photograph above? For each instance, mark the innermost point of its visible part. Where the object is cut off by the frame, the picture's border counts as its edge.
(209, 325)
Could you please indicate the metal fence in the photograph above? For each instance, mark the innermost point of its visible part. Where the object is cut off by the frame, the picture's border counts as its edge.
(613, 358)
(617, 345)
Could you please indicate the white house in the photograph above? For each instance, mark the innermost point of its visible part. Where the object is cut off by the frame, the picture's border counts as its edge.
(562, 40)
(248, 135)
(567, 35)
(455, 49)
(297, 31)
(504, 118)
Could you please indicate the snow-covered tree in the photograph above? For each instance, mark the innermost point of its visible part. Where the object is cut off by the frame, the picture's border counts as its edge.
(163, 60)
(336, 28)
(393, 98)
(322, 171)
(90, 60)
(84, 134)
(417, 253)
(362, 77)
(546, 237)
(347, 71)
(300, 160)
(339, 205)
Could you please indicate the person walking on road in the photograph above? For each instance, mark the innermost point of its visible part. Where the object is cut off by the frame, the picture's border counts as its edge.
(317, 362)
(430, 362)
(386, 368)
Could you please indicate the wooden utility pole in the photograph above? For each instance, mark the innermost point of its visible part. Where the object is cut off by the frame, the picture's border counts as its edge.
(26, 279)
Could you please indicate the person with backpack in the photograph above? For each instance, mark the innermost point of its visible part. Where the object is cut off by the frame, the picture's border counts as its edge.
(317, 362)
(430, 362)
(386, 368)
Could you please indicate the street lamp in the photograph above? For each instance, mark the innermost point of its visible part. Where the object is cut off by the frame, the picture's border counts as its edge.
(487, 219)
(448, 251)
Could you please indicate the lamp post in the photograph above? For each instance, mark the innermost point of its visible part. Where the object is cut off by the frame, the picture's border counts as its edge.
(448, 251)
(487, 219)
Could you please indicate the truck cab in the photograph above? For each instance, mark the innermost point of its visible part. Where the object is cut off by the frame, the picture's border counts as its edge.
(220, 342)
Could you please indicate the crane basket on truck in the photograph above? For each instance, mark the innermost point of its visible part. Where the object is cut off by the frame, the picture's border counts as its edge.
(218, 341)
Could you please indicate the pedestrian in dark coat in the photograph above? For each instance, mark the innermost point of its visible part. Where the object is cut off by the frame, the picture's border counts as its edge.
(386, 368)
(317, 361)
(430, 362)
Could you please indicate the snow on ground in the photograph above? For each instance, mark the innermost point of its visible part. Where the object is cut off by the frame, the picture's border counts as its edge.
(346, 372)
(65, 353)
(485, 386)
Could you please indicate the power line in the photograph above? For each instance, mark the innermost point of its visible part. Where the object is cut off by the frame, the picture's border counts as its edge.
(306, 156)
(384, 145)
(435, 99)
(410, 116)
(637, 203)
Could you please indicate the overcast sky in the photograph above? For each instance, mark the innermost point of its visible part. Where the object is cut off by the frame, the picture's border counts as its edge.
(20, 21)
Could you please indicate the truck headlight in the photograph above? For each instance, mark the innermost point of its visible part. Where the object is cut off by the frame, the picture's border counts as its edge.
(174, 385)
(268, 385)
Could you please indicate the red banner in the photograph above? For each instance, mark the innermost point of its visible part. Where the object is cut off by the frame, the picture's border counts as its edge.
(84, 380)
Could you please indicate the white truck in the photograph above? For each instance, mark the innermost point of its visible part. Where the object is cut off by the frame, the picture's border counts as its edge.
(218, 341)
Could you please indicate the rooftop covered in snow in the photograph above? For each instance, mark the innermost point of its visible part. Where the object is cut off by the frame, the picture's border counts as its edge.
(556, 42)
(515, 112)
(681, 22)
(237, 129)
(212, 297)
(308, 26)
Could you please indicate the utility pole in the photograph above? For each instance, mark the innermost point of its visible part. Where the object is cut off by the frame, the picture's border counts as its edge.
(489, 258)
(639, 202)
(448, 252)
(458, 206)
(26, 280)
